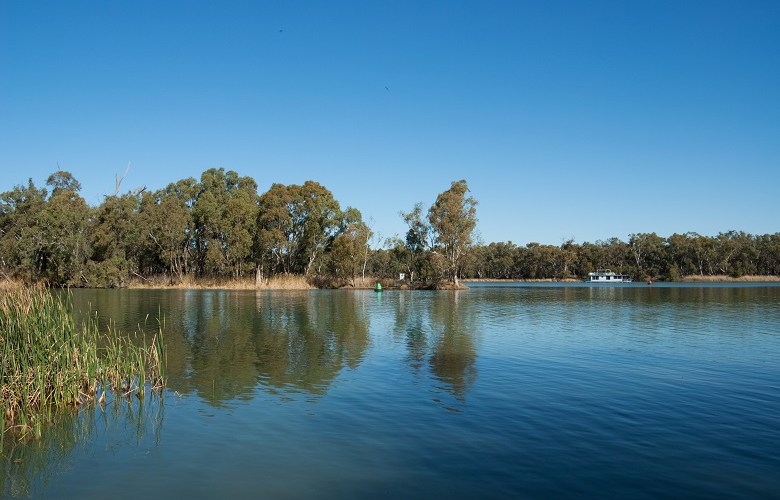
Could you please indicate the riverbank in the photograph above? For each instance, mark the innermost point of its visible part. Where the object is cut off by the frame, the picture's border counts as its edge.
(544, 280)
(720, 278)
(290, 282)
(284, 282)
(729, 279)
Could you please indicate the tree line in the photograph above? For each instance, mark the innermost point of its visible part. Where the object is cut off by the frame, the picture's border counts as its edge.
(219, 226)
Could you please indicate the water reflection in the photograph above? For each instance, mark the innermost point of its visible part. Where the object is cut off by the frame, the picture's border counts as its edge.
(409, 324)
(223, 345)
(303, 340)
(228, 345)
(453, 354)
(233, 342)
(30, 467)
(617, 387)
(437, 330)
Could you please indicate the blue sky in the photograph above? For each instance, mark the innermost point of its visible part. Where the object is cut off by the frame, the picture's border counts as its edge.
(582, 120)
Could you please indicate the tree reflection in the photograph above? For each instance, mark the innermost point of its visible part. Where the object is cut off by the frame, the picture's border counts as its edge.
(454, 353)
(304, 339)
(410, 323)
(218, 331)
(222, 344)
(438, 327)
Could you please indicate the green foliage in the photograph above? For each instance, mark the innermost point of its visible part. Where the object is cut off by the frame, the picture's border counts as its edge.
(219, 227)
(63, 181)
(453, 218)
(224, 216)
(167, 230)
(348, 253)
(45, 238)
(47, 363)
(22, 241)
(295, 226)
(415, 247)
(115, 242)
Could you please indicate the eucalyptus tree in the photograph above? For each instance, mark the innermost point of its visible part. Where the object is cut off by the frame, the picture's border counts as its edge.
(768, 248)
(681, 258)
(275, 236)
(737, 253)
(542, 261)
(383, 263)
(650, 253)
(168, 229)
(453, 218)
(499, 261)
(225, 214)
(295, 225)
(64, 223)
(45, 237)
(615, 253)
(348, 253)
(317, 214)
(62, 180)
(569, 257)
(22, 241)
(705, 253)
(115, 241)
(417, 242)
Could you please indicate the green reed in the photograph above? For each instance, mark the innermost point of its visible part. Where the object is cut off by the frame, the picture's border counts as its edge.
(49, 363)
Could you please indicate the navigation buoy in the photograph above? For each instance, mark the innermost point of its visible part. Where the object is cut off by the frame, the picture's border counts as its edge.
(649, 282)
(378, 287)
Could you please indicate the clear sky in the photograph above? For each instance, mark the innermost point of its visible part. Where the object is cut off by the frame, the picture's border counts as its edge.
(568, 119)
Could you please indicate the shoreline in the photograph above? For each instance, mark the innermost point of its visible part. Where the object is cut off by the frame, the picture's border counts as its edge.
(686, 279)
(299, 283)
(730, 279)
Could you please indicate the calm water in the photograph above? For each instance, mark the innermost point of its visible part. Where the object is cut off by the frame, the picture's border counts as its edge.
(532, 391)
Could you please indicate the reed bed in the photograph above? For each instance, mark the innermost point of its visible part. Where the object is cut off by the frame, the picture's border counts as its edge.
(278, 282)
(189, 282)
(8, 283)
(285, 282)
(48, 363)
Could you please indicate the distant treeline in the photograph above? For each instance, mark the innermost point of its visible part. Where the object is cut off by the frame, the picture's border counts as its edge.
(644, 256)
(221, 227)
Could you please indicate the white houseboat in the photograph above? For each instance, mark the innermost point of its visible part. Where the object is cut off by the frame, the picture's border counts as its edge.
(607, 276)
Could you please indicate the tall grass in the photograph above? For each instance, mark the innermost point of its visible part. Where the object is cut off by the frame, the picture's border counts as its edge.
(48, 363)
(276, 282)
(285, 282)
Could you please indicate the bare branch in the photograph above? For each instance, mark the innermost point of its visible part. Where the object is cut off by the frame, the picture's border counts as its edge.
(118, 180)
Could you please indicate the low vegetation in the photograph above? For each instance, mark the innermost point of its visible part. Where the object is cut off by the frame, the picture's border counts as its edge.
(49, 363)
(723, 278)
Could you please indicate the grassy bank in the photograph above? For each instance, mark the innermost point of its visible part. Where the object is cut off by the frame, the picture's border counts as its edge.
(49, 363)
(729, 279)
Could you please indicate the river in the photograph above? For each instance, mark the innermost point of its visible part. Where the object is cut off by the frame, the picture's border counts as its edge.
(548, 390)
